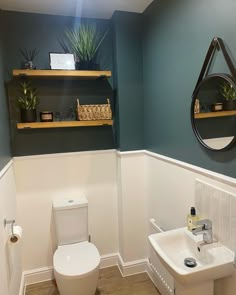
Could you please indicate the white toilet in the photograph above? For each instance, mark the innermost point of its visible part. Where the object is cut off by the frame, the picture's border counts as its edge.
(76, 261)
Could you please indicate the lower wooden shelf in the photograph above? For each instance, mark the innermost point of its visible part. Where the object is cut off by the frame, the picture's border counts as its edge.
(63, 124)
(214, 114)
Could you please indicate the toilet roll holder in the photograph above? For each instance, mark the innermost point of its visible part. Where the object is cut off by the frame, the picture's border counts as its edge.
(11, 222)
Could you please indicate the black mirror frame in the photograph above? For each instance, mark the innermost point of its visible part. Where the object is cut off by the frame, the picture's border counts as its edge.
(216, 44)
(219, 75)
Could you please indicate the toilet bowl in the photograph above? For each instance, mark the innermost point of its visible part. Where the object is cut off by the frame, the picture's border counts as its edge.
(76, 268)
(76, 261)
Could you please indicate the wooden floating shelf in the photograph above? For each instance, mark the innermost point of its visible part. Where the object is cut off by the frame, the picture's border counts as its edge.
(63, 74)
(63, 124)
(215, 114)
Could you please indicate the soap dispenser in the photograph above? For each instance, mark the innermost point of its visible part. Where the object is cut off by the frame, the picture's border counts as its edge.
(192, 218)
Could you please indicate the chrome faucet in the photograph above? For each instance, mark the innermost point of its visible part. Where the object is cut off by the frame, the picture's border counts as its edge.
(204, 227)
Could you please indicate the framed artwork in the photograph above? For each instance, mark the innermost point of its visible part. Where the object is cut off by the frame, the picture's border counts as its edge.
(62, 61)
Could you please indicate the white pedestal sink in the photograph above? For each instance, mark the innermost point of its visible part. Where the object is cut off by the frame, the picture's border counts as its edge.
(214, 260)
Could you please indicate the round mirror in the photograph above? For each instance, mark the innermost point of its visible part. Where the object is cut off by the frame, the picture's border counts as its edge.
(213, 112)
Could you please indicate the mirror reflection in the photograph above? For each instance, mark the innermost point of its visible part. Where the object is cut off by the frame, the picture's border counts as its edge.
(213, 112)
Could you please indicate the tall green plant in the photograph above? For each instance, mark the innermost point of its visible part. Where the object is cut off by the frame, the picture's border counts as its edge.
(228, 91)
(84, 41)
(27, 100)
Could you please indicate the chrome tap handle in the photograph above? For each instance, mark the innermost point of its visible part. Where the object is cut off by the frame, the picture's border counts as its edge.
(206, 223)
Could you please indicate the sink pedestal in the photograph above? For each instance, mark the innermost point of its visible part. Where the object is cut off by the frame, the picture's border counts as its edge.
(203, 288)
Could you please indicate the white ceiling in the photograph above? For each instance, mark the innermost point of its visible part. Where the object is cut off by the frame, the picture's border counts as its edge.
(87, 8)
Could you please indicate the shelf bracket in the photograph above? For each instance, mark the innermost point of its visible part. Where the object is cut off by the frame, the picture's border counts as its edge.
(102, 77)
(216, 44)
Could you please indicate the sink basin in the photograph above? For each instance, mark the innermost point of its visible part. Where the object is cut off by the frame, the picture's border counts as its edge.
(214, 260)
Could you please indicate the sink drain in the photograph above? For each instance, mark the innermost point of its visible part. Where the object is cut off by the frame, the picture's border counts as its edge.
(190, 262)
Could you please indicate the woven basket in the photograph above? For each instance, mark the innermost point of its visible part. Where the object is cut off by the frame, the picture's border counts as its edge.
(89, 112)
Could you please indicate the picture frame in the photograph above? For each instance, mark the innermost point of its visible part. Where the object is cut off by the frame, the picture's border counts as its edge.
(62, 61)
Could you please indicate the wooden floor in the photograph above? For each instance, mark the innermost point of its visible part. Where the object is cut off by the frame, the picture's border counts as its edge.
(110, 282)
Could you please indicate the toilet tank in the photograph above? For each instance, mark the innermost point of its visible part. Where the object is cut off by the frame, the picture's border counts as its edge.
(71, 220)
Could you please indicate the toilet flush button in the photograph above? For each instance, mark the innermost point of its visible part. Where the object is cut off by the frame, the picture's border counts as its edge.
(70, 201)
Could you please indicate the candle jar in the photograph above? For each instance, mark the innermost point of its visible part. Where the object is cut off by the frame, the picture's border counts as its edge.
(217, 107)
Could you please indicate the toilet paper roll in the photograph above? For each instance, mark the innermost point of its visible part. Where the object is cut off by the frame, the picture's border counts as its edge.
(17, 234)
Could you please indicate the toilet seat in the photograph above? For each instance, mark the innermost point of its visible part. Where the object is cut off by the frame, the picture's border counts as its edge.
(76, 260)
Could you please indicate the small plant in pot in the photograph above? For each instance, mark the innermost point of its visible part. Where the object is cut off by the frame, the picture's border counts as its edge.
(29, 56)
(27, 102)
(228, 91)
(84, 41)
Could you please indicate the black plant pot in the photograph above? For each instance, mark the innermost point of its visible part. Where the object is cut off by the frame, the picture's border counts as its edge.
(87, 65)
(28, 116)
(229, 105)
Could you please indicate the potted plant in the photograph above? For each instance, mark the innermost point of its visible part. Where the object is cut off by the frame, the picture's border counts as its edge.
(84, 41)
(27, 102)
(29, 56)
(228, 91)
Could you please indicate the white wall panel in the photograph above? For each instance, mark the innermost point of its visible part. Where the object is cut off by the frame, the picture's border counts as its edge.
(174, 186)
(133, 221)
(124, 191)
(10, 256)
(40, 179)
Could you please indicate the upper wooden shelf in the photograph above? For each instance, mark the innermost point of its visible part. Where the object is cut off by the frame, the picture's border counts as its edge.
(63, 74)
(214, 114)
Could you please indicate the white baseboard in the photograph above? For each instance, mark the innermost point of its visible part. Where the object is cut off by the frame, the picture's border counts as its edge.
(109, 260)
(131, 268)
(46, 273)
(38, 275)
(126, 269)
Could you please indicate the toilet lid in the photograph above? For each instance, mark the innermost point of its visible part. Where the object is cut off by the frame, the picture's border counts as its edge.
(76, 259)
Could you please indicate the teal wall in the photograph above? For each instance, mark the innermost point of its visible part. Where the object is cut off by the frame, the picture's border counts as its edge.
(176, 39)
(128, 79)
(5, 154)
(26, 30)
(157, 59)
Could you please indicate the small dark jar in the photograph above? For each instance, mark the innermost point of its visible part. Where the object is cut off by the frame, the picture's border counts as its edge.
(216, 107)
(46, 116)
